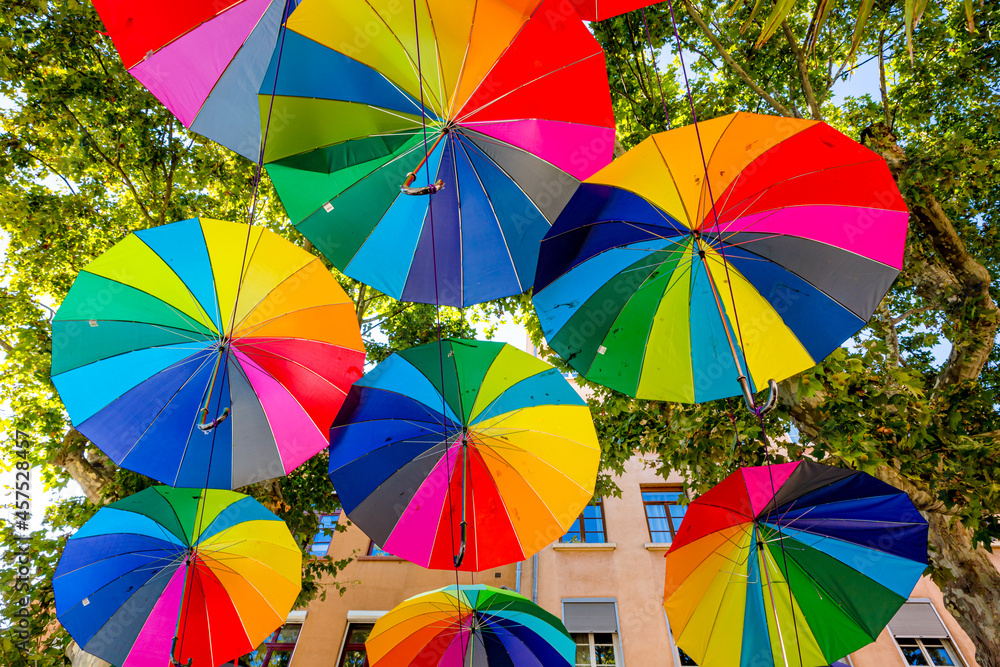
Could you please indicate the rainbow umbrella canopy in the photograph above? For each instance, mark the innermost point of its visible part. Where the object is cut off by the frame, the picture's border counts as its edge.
(467, 448)
(475, 625)
(795, 564)
(183, 366)
(213, 569)
(204, 60)
(599, 10)
(489, 109)
(662, 284)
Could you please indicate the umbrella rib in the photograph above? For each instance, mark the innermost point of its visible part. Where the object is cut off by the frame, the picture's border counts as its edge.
(489, 199)
(247, 332)
(185, 318)
(526, 83)
(275, 355)
(187, 443)
(252, 584)
(140, 553)
(756, 196)
(210, 324)
(439, 61)
(207, 360)
(409, 59)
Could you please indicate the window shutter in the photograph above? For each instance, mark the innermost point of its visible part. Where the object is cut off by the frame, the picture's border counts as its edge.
(590, 616)
(917, 619)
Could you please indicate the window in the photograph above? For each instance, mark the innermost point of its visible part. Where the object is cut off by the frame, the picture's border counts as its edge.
(276, 651)
(921, 636)
(589, 527)
(320, 543)
(663, 512)
(595, 649)
(354, 654)
(377, 551)
(928, 651)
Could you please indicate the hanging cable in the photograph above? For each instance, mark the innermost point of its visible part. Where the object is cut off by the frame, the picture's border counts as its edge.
(222, 360)
(743, 380)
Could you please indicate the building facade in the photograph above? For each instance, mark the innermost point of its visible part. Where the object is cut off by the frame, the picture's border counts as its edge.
(604, 579)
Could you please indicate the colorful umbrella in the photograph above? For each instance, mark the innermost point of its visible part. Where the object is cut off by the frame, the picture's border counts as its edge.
(792, 564)
(182, 367)
(213, 569)
(662, 284)
(461, 626)
(501, 458)
(489, 105)
(598, 10)
(204, 60)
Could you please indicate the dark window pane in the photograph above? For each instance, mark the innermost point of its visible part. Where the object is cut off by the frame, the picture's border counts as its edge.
(603, 638)
(913, 655)
(605, 655)
(287, 634)
(280, 658)
(939, 656)
(354, 658)
(359, 633)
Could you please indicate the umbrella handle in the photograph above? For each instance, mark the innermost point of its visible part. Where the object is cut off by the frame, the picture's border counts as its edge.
(460, 556)
(769, 404)
(425, 190)
(173, 660)
(215, 422)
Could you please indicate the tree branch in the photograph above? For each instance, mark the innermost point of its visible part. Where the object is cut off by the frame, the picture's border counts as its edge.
(113, 164)
(7, 347)
(777, 106)
(891, 336)
(803, 67)
(976, 317)
(91, 476)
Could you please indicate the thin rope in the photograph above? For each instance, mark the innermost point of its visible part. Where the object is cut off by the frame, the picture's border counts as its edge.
(656, 71)
(437, 311)
(224, 352)
(708, 185)
(739, 334)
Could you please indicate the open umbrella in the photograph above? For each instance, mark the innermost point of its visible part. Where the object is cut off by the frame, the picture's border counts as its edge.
(478, 117)
(469, 626)
(177, 573)
(204, 60)
(598, 10)
(795, 564)
(493, 464)
(184, 367)
(664, 284)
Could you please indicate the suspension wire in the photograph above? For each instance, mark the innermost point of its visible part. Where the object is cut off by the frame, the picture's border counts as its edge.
(225, 342)
(656, 71)
(437, 311)
(739, 334)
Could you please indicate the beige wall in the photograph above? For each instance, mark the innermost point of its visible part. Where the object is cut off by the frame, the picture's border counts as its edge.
(627, 569)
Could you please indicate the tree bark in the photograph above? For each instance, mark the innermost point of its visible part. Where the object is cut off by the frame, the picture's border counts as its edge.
(969, 580)
(971, 585)
(91, 476)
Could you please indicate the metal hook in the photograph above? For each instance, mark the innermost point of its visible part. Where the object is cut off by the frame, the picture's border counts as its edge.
(769, 404)
(173, 660)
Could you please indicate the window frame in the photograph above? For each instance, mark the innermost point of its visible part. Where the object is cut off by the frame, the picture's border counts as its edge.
(312, 540)
(953, 651)
(271, 646)
(596, 502)
(368, 555)
(615, 647)
(661, 488)
(346, 645)
(946, 642)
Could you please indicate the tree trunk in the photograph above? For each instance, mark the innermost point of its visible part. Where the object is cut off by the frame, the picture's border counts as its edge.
(970, 583)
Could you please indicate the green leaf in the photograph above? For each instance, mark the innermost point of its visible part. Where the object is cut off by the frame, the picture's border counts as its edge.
(773, 22)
